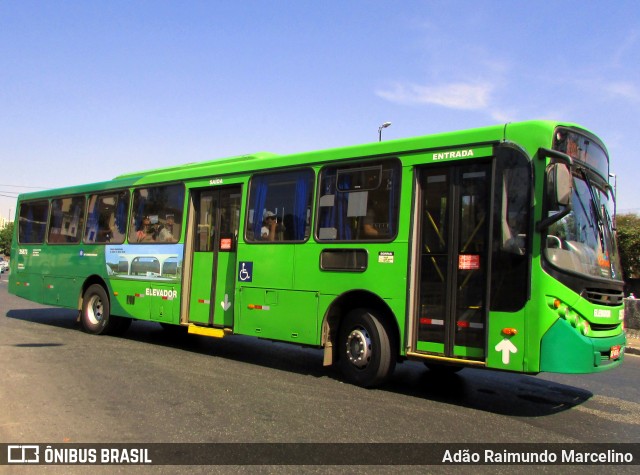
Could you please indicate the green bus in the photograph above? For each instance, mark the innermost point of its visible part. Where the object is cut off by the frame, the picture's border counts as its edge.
(490, 248)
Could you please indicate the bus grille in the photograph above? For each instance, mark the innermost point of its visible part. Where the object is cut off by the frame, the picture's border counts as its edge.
(603, 327)
(608, 297)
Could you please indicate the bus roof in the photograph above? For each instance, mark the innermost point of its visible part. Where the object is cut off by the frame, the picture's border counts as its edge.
(268, 161)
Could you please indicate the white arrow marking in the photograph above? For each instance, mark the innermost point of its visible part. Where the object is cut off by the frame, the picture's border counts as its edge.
(226, 304)
(506, 347)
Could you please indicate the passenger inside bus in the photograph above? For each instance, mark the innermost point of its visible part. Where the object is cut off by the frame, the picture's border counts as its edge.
(169, 232)
(145, 231)
(271, 230)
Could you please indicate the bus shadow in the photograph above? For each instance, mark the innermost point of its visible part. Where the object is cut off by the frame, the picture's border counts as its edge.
(275, 355)
(489, 391)
(55, 317)
(508, 394)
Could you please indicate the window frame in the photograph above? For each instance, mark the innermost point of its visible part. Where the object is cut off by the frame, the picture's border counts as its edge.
(81, 227)
(251, 226)
(46, 222)
(89, 196)
(384, 163)
(134, 215)
(507, 263)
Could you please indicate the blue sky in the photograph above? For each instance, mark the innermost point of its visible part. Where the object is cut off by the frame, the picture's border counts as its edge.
(92, 89)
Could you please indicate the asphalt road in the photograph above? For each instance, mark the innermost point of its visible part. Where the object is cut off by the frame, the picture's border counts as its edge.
(58, 384)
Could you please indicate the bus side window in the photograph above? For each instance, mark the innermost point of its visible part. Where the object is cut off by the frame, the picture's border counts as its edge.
(279, 206)
(512, 222)
(157, 214)
(107, 218)
(359, 202)
(66, 220)
(33, 222)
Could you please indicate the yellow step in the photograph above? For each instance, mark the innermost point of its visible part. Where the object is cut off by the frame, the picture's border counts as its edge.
(206, 331)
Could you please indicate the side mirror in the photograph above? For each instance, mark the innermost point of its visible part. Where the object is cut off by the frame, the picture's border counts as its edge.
(559, 190)
(560, 184)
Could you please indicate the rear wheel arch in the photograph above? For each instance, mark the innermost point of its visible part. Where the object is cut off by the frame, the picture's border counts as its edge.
(346, 304)
(91, 280)
(94, 306)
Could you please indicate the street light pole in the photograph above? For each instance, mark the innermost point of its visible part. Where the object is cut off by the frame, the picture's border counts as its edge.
(383, 126)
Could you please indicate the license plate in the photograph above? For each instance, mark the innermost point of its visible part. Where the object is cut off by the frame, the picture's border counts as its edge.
(615, 352)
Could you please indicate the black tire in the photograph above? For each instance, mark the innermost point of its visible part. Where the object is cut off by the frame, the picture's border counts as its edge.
(96, 317)
(365, 348)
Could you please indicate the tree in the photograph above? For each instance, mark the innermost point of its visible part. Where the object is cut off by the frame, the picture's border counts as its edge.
(628, 226)
(6, 234)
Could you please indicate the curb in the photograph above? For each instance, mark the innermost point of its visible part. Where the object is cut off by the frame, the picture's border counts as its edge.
(633, 341)
(632, 348)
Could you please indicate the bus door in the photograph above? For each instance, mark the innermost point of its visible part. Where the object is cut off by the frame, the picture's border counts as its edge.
(216, 214)
(453, 219)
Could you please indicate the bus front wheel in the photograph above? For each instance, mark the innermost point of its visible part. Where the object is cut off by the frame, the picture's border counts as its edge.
(96, 317)
(365, 349)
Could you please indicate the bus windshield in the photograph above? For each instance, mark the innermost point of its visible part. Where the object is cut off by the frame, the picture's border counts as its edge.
(584, 241)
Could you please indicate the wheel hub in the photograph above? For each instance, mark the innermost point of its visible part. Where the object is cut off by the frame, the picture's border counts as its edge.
(95, 310)
(359, 347)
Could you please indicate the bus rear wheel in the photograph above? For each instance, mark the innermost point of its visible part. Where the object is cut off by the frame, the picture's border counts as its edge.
(96, 318)
(365, 349)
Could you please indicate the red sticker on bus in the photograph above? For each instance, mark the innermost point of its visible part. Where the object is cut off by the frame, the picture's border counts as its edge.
(225, 244)
(469, 262)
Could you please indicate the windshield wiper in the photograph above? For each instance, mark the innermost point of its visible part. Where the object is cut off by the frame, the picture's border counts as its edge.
(595, 207)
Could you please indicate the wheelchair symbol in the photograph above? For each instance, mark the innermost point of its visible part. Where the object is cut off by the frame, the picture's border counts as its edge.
(245, 272)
